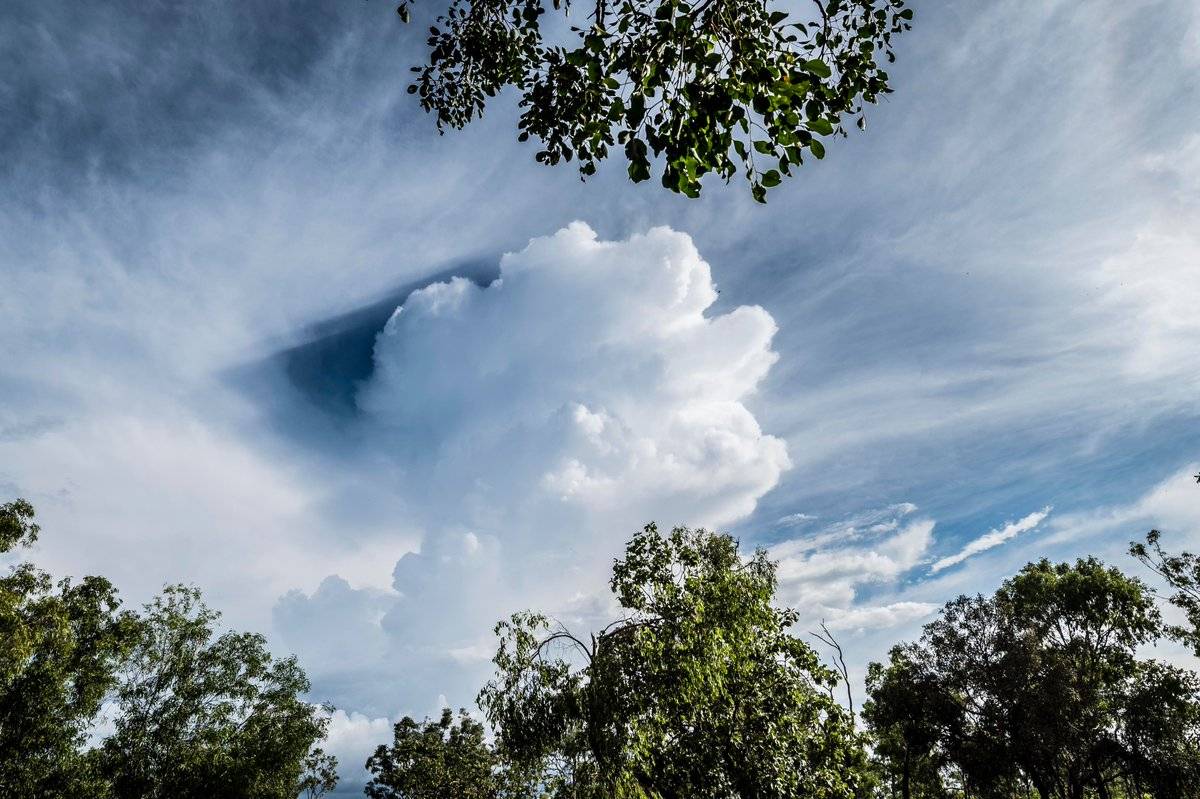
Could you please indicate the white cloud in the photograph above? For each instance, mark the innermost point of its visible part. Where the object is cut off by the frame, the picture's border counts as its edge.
(795, 520)
(352, 738)
(587, 376)
(822, 574)
(1021, 310)
(1173, 506)
(149, 499)
(881, 617)
(533, 425)
(862, 524)
(992, 538)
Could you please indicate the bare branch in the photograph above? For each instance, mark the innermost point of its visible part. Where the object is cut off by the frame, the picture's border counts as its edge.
(826, 637)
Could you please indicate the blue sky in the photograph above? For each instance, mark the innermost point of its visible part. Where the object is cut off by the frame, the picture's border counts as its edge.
(966, 339)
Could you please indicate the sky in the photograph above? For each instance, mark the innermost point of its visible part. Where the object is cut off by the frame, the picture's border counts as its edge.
(372, 388)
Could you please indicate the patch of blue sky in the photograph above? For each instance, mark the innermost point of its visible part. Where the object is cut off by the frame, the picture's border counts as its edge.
(984, 307)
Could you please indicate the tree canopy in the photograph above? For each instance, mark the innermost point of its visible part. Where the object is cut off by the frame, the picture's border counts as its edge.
(200, 714)
(1182, 573)
(195, 714)
(698, 690)
(707, 86)
(1040, 689)
(435, 759)
(60, 645)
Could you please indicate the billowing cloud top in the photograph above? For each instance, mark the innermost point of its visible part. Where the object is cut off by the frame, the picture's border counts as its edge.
(586, 375)
(531, 425)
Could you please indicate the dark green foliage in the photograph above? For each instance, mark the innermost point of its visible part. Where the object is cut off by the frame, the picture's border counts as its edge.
(59, 646)
(196, 715)
(705, 85)
(1039, 690)
(318, 775)
(1182, 573)
(436, 759)
(1161, 732)
(907, 712)
(698, 691)
(201, 714)
(17, 528)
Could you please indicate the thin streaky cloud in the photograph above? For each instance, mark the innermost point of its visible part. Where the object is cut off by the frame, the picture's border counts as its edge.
(992, 539)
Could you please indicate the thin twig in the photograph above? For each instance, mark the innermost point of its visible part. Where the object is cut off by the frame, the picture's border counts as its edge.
(827, 638)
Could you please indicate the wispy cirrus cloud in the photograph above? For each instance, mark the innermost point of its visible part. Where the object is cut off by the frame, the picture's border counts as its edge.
(991, 539)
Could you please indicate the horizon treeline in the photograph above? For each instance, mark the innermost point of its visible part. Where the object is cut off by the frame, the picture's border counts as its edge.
(1042, 690)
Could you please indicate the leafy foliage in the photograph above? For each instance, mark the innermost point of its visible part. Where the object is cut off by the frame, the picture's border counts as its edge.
(17, 528)
(697, 691)
(704, 84)
(59, 646)
(907, 712)
(195, 715)
(1039, 687)
(1182, 573)
(434, 759)
(318, 776)
(1161, 732)
(200, 714)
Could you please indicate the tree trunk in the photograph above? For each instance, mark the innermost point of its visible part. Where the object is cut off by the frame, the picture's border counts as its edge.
(1101, 783)
(1075, 787)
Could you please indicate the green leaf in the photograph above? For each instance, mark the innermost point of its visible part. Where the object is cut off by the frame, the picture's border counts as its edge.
(699, 628)
(648, 69)
(818, 67)
(821, 126)
(770, 178)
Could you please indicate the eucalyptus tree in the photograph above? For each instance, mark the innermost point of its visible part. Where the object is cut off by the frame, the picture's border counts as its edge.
(194, 714)
(199, 714)
(708, 86)
(1039, 690)
(1182, 573)
(60, 644)
(698, 690)
(436, 759)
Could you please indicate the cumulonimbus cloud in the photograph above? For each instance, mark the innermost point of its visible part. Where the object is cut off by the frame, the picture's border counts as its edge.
(587, 375)
(533, 424)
